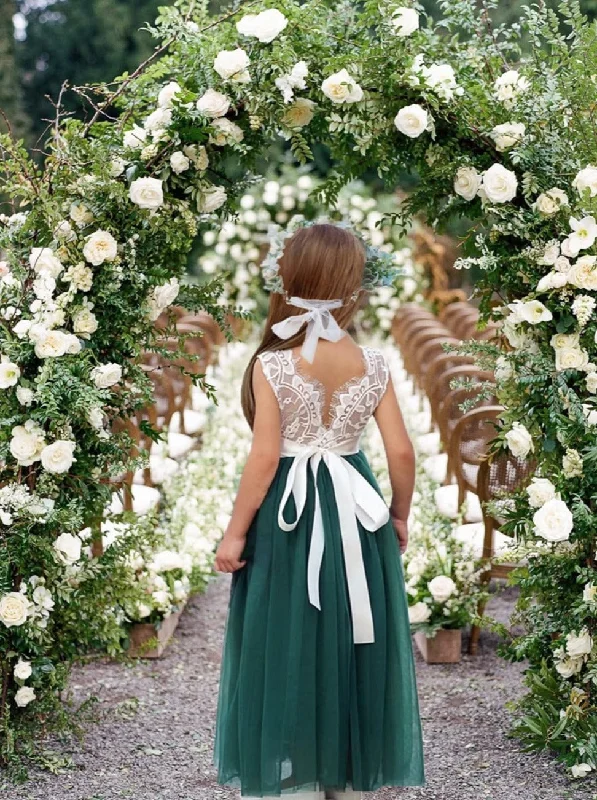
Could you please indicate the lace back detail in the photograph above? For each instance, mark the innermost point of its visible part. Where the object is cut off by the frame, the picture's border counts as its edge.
(302, 399)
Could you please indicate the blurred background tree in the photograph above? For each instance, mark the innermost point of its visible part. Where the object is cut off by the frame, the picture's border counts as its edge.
(45, 42)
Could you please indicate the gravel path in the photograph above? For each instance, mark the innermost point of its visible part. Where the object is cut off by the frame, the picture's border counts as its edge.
(154, 737)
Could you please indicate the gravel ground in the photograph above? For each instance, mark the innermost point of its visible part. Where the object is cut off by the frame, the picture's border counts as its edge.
(154, 737)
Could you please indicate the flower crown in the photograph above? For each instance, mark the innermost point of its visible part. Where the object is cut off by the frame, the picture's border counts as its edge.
(380, 268)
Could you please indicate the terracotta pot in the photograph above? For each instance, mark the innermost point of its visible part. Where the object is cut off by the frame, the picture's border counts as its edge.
(442, 648)
(148, 641)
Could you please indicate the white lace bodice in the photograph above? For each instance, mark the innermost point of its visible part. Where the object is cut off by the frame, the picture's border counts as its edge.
(302, 400)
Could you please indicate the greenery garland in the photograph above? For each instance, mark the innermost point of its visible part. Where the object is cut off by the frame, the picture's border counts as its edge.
(97, 245)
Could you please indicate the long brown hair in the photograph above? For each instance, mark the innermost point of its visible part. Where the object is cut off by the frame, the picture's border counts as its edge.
(321, 262)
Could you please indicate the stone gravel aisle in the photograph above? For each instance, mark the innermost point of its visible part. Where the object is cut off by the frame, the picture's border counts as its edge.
(154, 737)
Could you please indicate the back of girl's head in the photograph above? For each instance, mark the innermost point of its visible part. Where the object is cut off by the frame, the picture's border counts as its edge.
(320, 262)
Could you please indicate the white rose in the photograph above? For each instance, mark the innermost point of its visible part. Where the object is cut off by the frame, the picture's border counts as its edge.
(441, 587)
(24, 696)
(499, 184)
(65, 231)
(299, 113)
(212, 199)
(553, 521)
(100, 246)
(419, 612)
(592, 382)
(225, 131)
(412, 120)
(519, 441)
(14, 609)
(134, 138)
(158, 119)
(568, 667)
(27, 443)
(586, 179)
(9, 374)
(341, 88)
(232, 65)
(179, 162)
(67, 548)
(24, 395)
(466, 182)
(58, 457)
(43, 260)
(85, 322)
(509, 85)
(213, 104)
(22, 670)
(167, 293)
(264, 26)
(553, 280)
(167, 94)
(405, 21)
(508, 135)
(73, 345)
(147, 193)
(116, 167)
(106, 375)
(540, 490)
(51, 344)
(583, 273)
(579, 644)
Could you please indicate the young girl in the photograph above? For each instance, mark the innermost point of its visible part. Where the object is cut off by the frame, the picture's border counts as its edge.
(318, 694)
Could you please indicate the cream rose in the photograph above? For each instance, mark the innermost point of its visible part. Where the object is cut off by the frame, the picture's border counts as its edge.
(232, 65)
(100, 246)
(508, 135)
(58, 457)
(64, 231)
(583, 273)
(158, 120)
(179, 162)
(211, 199)
(67, 548)
(24, 396)
(167, 94)
(585, 180)
(299, 113)
(265, 26)
(80, 215)
(50, 343)
(147, 193)
(405, 21)
(24, 696)
(499, 184)
(540, 490)
(441, 588)
(22, 670)
(213, 104)
(553, 280)
(85, 322)
(519, 441)
(466, 182)
(27, 443)
(106, 375)
(44, 261)
(412, 120)
(342, 88)
(14, 609)
(225, 131)
(553, 521)
(579, 644)
(592, 382)
(9, 374)
(418, 613)
(567, 667)
(116, 167)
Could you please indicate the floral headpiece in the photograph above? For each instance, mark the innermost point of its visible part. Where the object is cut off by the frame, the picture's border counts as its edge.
(380, 268)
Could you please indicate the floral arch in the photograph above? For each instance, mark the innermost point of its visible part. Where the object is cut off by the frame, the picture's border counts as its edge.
(97, 242)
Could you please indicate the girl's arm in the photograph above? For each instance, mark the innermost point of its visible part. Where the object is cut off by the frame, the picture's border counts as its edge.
(401, 461)
(257, 476)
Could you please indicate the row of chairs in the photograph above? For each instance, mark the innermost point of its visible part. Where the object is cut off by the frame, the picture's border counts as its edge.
(462, 424)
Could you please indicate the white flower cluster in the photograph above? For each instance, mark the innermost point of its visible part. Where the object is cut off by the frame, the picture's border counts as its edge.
(439, 78)
(497, 185)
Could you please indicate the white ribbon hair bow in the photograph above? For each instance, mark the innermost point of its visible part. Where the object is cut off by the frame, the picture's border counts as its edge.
(320, 324)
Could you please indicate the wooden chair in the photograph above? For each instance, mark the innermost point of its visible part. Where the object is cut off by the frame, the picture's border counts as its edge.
(449, 416)
(468, 445)
(452, 310)
(424, 355)
(465, 324)
(442, 384)
(440, 364)
(404, 334)
(411, 348)
(499, 475)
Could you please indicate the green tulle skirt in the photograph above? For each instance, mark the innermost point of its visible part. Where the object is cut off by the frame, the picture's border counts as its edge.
(301, 707)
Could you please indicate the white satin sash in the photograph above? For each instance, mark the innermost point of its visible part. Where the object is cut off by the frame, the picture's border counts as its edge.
(320, 324)
(356, 500)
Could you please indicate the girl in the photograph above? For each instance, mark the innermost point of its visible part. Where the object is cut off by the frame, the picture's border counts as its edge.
(318, 695)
